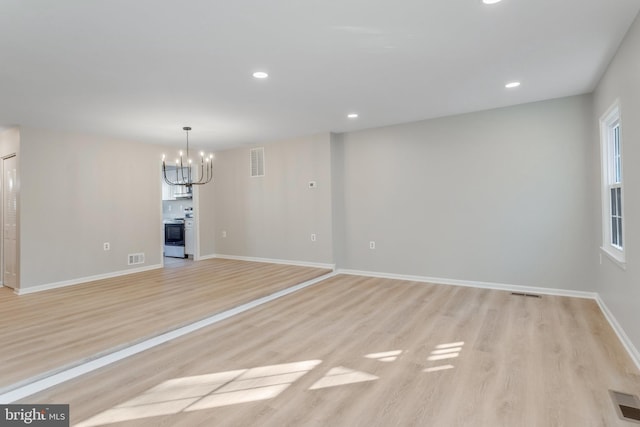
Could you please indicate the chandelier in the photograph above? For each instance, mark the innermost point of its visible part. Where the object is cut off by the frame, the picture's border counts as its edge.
(186, 173)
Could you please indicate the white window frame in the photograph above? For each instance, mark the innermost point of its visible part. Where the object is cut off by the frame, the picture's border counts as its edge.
(611, 155)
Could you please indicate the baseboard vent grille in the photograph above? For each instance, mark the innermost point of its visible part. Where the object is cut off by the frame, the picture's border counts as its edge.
(136, 259)
(522, 294)
(627, 406)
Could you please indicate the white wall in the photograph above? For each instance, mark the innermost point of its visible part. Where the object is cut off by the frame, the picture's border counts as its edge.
(620, 289)
(498, 196)
(273, 216)
(9, 141)
(501, 196)
(79, 191)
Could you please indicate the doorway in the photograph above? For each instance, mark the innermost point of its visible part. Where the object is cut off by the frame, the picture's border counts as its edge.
(9, 222)
(179, 213)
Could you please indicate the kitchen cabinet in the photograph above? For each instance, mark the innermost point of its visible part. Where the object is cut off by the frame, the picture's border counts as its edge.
(167, 191)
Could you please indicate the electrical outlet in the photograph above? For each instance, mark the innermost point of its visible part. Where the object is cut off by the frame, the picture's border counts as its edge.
(372, 245)
(313, 237)
(224, 234)
(106, 246)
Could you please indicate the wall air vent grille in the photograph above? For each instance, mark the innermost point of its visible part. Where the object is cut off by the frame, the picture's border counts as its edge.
(136, 259)
(257, 162)
(627, 406)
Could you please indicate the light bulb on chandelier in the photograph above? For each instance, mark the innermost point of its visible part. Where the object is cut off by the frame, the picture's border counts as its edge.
(185, 174)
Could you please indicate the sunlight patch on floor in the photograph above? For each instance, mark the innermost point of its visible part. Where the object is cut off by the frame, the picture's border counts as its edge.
(341, 376)
(385, 356)
(442, 352)
(439, 368)
(199, 392)
(206, 391)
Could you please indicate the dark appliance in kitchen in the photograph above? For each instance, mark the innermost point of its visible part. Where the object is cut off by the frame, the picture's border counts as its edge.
(174, 238)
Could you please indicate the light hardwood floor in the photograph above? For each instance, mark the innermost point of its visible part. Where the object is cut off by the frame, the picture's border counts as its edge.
(45, 331)
(354, 351)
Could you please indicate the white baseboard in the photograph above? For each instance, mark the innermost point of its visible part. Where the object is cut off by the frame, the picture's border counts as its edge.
(622, 336)
(65, 283)
(474, 284)
(331, 267)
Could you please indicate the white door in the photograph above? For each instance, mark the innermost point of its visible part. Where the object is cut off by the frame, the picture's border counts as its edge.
(9, 219)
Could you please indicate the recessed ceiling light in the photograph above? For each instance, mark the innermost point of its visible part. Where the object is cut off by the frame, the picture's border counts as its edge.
(352, 116)
(512, 85)
(260, 75)
(491, 1)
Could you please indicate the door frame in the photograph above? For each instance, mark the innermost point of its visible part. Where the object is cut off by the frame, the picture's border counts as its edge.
(2, 215)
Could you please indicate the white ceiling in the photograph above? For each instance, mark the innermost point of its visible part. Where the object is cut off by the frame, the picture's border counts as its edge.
(142, 69)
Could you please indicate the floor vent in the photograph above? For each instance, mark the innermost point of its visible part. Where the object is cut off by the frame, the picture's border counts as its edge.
(522, 294)
(627, 406)
(136, 259)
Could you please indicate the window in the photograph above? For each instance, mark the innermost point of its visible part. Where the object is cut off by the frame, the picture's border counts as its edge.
(612, 188)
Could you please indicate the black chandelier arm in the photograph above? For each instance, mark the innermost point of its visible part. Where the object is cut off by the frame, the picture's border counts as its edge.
(201, 174)
(164, 175)
(202, 183)
(204, 179)
(210, 171)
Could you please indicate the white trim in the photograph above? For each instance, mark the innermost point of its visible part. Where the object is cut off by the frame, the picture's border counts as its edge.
(81, 280)
(474, 284)
(611, 116)
(622, 336)
(195, 211)
(613, 257)
(331, 267)
(92, 365)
